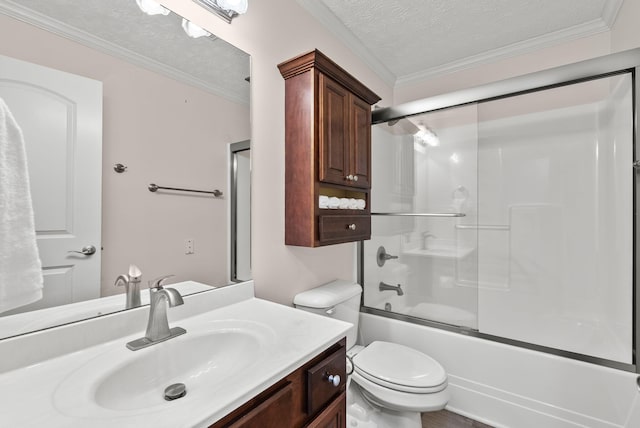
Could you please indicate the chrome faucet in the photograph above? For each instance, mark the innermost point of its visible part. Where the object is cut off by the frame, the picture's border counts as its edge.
(387, 287)
(425, 237)
(158, 326)
(131, 284)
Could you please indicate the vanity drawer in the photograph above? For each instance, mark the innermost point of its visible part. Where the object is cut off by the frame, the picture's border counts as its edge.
(343, 228)
(320, 390)
(274, 411)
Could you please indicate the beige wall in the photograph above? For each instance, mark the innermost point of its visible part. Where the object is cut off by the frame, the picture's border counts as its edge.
(625, 34)
(166, 133)
(271, 32)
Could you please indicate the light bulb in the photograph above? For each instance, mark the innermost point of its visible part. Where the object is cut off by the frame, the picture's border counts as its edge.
(238, 6)
(152, 7)
(194, 30)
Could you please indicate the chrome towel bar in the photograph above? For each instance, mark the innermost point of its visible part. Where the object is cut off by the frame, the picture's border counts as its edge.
(423, 214)
(154, 188)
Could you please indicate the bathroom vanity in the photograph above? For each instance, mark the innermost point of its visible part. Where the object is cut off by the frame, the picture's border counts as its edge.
(245, 362)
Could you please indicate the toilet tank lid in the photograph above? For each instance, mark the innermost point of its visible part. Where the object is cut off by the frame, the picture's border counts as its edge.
(328, 295)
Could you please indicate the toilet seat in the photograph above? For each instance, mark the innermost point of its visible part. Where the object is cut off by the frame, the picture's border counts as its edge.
(399, 378)
(400, 368)
(399, 401)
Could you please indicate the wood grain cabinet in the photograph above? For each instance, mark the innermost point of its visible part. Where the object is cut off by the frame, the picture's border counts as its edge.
(304, 398)
(328, 151)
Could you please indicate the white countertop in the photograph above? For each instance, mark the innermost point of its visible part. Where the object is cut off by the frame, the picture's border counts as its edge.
(39, 394)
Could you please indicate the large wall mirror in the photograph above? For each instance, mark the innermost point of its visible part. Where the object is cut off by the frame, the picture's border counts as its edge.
(111, 100)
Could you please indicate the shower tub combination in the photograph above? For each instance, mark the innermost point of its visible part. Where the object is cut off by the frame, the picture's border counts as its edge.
(506, 213)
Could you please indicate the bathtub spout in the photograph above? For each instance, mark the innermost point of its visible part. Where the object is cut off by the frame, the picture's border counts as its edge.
(387, 287)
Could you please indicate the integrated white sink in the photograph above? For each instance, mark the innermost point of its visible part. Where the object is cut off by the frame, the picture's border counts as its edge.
(213, 357)
(128, 382)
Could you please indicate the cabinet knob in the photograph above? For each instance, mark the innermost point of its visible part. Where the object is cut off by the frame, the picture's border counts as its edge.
(352, 226)
(349, 177)
(355, 178)
(334, 380)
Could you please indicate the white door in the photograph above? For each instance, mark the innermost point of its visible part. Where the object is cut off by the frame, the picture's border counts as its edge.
(61, 118)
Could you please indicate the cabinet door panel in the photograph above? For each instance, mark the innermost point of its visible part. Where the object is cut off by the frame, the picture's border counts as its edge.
(274, 412)
(361, 137)
(334, 131)
(334, 416)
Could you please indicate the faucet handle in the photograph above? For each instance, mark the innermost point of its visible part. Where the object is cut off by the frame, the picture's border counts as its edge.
(121, 280)
(157, 283)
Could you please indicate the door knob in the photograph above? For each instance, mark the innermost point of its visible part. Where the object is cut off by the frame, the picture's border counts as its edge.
(86, 251)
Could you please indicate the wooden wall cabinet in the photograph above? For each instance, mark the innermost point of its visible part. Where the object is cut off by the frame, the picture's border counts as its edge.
(328, 151)
(304, 398)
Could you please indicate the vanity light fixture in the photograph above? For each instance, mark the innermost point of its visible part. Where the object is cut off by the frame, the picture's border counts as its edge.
(225, 9)
(152, 7)
(194, 30)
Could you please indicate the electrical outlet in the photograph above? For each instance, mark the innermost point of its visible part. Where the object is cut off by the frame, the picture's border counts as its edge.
(188, 246)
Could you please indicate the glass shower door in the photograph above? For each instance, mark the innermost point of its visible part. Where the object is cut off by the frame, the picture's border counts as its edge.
(421, 261)
(555, 183)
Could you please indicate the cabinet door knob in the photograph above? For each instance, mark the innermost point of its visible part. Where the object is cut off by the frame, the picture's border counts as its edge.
(334, 380)
(355, 178)
(352, 226)
(349, 177)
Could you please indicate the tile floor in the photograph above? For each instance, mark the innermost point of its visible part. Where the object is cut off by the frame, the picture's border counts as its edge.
(445, 419)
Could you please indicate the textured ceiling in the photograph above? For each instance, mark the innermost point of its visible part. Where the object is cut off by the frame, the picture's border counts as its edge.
(156, 41)
(411, 39)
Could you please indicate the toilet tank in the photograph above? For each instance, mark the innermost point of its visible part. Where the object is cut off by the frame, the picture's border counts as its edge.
(338, 299)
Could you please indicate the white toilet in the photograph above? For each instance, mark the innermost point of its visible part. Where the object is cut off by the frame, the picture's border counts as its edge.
(392, 384)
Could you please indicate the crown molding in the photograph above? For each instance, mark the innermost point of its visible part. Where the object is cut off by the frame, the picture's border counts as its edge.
(610, 12)
(550, 39)
(54, 26)
(319, 11)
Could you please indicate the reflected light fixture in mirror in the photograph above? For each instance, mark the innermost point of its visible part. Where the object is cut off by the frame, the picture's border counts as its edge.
(152, 7)
(193, 30)
(225, 9)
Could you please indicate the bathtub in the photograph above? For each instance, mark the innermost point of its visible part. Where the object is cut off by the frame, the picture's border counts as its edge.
(507, 386)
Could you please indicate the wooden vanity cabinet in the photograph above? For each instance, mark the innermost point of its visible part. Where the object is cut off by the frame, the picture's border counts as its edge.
(327, 151)
(304, 398)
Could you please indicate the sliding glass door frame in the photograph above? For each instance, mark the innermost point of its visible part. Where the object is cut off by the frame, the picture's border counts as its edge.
(609, 65)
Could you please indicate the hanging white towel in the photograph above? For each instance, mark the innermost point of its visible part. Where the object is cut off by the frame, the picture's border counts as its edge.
(20, 267)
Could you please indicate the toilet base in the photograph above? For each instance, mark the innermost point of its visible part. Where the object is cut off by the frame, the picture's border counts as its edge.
(362, 414)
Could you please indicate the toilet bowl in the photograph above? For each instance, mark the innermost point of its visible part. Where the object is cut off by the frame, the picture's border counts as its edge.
(390, 384)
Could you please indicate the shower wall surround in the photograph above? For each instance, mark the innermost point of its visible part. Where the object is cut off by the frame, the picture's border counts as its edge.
(520, 225)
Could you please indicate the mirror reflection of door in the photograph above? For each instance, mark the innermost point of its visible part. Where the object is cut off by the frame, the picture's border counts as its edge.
(60, 115)
(240, 211)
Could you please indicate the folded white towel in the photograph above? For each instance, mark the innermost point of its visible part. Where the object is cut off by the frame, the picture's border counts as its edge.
(20, 267)
(323, 201)
(353, 205)
(344, 203)
(361, 204)
(334, 202)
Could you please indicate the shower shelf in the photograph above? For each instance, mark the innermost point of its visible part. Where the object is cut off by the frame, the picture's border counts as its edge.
(423, 214)
(441, 252)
